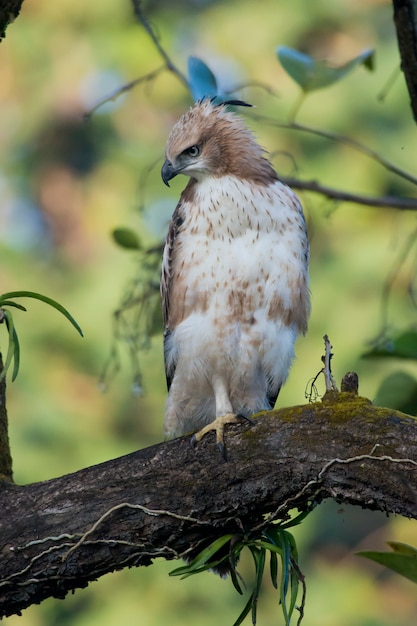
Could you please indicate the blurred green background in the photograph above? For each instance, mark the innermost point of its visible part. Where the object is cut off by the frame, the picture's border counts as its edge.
(67, 183)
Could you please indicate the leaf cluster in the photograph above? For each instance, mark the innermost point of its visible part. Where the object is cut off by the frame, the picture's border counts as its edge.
(13, 349)
(284, 571)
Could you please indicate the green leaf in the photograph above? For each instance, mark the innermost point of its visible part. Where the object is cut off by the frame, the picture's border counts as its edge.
(285, 578)
(13, 304)
(203, 560)
(297, 519)
(294, 593)
(403, 548)
(38, 296)
(402, 561)
(126, 238)
(16, 355)
(404, 346)
(311, 74)
(398, 391)
(12, 348)
(245, 611)
(203, 83)
(260, 566)
(274, 568)
(235, 580)
(271, 547)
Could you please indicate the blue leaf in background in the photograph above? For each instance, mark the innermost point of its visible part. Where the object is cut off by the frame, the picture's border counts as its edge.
(202, 81)
(311, 74)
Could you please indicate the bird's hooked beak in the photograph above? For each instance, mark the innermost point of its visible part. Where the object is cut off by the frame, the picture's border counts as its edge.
(168, 171)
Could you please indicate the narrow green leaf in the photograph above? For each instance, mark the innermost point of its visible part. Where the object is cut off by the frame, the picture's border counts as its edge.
(403, 548)
(203, 83)
(16, 355)
(297, 519)
(202, 560)
(294, 592)
(274, 568)
(46, 300)
(245, 611)
(126, 238)
(401, 562)
(13, 304)
(286, 565)
(258, 587)
(271, 547)
(311, 74)
(293, 546)
(235, 580)
(186, 571)
(8, 317)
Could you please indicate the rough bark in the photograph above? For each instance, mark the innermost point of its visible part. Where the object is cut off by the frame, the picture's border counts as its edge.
(405, 20)
(170, 500)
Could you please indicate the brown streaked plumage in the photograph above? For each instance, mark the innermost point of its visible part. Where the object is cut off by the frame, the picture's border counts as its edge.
(234, 279)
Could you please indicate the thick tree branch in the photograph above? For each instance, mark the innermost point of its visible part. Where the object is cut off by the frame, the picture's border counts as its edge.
(170, 500)
(405, 20)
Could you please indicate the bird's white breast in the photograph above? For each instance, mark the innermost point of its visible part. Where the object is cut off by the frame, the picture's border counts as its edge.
(241, 249)
(241, 236)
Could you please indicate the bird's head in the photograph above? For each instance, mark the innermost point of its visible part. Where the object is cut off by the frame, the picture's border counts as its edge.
(209, 140)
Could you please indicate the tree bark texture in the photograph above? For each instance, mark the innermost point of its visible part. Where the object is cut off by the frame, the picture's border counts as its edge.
(171, 500)
(405, 20)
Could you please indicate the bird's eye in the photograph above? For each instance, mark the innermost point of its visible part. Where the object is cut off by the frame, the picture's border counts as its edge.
(193, 151)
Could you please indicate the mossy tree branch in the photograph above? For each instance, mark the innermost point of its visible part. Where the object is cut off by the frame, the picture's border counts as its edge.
(170, 500)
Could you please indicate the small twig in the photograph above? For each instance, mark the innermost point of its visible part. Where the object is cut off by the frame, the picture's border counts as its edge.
(327, 370)
(127, 87)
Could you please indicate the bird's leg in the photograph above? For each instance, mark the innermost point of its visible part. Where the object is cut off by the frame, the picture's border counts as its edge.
(224, 416)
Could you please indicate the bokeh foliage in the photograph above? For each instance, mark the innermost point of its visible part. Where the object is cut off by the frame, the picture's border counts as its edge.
(67, 184)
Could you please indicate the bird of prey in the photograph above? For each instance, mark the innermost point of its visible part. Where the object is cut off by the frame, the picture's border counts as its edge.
(234, 281)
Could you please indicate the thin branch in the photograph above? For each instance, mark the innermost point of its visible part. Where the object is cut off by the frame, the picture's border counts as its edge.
(327, 369)
(386, 202)
(121, 90)
(356, 145)
(139, 13)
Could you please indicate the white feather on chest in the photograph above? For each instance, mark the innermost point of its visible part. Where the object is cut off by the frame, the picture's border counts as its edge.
(243, 238)
(239, 251)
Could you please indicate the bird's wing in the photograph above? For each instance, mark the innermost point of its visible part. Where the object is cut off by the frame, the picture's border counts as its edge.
(168, 260)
